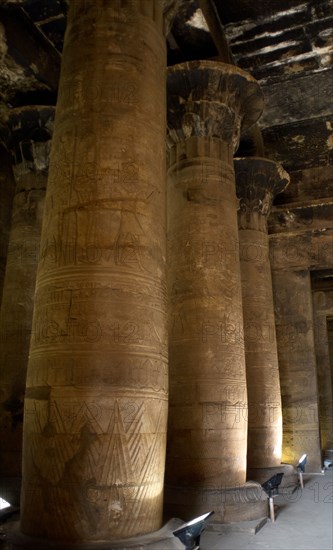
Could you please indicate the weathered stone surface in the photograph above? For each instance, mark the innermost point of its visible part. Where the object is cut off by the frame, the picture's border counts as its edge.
(158, 540)
(7, 187)
(96, 401)
(207, 434)
(305, 144)
(26, 64)
(322, 310)
(30, 168)
(314, 217)
(289, 481)
(297, 364)
(204, 102)
(257, 182)
(245, 502)
(302, 239)
(329, 453)
(278, 41)
(302, 250)
(309, 186)
(303, 98)
(245, 9)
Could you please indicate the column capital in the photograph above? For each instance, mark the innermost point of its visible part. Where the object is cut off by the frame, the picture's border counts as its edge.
(213, 99)
(258, 181)
(27, 133)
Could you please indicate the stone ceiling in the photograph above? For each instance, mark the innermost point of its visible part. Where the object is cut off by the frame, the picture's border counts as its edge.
(286, 44)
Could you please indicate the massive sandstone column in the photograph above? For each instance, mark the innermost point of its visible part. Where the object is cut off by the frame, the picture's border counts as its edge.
(258, 180)
(7, 187)
(30, 135)
(322, 310)
(96, 401)
(297, 364)
(208, 103)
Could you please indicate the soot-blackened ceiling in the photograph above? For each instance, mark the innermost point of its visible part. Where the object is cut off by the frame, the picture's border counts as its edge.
(285, 44)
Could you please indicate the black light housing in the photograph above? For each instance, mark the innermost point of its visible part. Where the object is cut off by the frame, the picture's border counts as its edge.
(301, 463)
(189, 533)
(271, 486)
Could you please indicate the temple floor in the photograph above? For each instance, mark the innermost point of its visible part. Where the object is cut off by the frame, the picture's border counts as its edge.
(304, 521)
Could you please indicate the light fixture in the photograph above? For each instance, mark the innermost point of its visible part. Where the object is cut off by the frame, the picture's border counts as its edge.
(327, 463)
(301, 468)
(301, 463)
(3, 504)
(271, 488)
(189, 533)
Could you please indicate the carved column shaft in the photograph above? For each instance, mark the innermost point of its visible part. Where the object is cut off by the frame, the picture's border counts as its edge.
(322, 310)
(257, 182)
(207, 104)
(297, 364)
(30, 139)
(7, 188)
(96, 405)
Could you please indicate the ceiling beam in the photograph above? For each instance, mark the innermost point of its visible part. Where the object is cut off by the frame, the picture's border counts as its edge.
(209, 9)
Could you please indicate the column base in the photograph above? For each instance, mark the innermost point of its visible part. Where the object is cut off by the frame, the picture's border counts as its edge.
(158, 540)
(289, 480)
(232, 504)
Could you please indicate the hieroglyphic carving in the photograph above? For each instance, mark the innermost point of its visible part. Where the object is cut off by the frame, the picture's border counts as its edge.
(98, 361)
(95, 452)
(297, 363)
(7, 186)
(208, 398)
(322, 309)
(257, 182)
(26, 124)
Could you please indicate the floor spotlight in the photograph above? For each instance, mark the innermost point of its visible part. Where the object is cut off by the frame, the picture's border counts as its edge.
(301, 468)
(189, 533)
(271, 488)
(3, 504)
(327, 463)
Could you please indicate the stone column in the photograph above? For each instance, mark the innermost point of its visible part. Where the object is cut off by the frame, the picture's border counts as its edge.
(7, 188)
(322, 310)
(96, 402)
(208, 103)
(30, 135)
(297, 365)
(258, 180)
